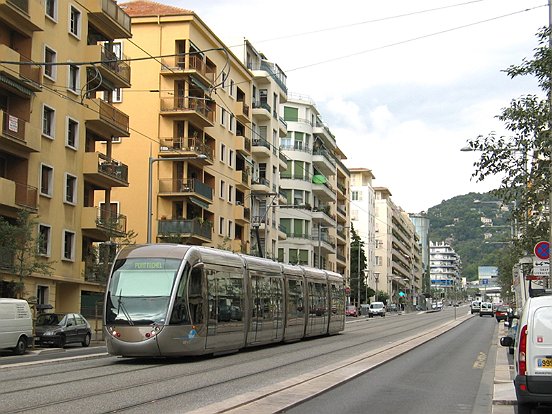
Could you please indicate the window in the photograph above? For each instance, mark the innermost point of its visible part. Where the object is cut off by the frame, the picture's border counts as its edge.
(70, 189)
(74, 78)
(230, 157)
(46, 180)
(378, 261)
(50, 57)
(222, 152)
(48, 121)
(232, 89)
(291, 114)
(72, 138)
(51, 9)
(44, 240)
(74, 21)
(229, 229)
(222, 189)
(230, 191)
(68, 245)
(223, 116)
(221, 226)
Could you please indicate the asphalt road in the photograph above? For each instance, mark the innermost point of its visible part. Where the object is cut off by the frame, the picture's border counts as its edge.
(442, 376)
(71, 382)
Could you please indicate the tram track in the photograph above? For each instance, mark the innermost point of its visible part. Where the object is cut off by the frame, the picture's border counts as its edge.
(393, 328)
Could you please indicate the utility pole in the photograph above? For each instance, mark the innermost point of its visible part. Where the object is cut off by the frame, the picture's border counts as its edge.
(358, 273)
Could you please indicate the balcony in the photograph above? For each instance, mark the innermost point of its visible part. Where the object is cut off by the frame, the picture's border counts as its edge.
(193, 109)
(322, 215)
(190, 65)
(282, 127)
(14, 195)
(106, 120)
(261, 148)
(109, 18)
(262, 110)
(282, 232)
(16, 136)
(26, 16)
(114, 71)
(282, 160)
(323, 190)
(191, 187)
(22, 79)
(104, 172)
(243, 143)
(320, 129)
(342, 210)
(325, 241)
(242, 214)
(260, 185)
(186, 147)
(241, 110)
(241, 177)
(102, 224)
(194, 231)
(323, 161)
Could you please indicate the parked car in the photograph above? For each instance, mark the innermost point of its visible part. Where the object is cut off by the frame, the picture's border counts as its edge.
(59, 329)
(533, 354)
(16, 325)
(364, 309)
(486, 309)
(501, 313)
(376, 308)
(351, 310)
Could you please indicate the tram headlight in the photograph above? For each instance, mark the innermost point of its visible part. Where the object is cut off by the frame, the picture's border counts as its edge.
(156, 329)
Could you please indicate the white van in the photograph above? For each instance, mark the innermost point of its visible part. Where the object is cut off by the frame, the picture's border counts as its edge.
(533, 353)
(16, 325)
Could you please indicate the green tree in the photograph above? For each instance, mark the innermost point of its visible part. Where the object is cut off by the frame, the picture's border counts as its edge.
(523, 157)
(357, 273)
(20, 250)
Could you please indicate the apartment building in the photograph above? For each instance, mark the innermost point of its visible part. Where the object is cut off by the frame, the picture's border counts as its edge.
(444, 267)
(269, 91)
(57, 128)
(398, 260)
(316, 185)
(363, 210)
(190, 145)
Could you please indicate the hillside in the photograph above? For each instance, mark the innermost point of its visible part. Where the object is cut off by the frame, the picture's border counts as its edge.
(463, 221)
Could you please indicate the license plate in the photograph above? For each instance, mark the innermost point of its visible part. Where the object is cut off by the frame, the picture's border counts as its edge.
(544, 363)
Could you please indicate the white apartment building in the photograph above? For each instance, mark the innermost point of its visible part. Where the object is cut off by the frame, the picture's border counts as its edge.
(445, 266)
(363, 210)
(315, 184)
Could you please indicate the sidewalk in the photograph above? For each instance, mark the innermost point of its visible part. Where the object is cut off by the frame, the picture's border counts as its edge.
(504, 393)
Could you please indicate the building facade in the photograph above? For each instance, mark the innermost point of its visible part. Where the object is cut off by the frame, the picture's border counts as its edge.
(316, 185)
(445, 267)
(192, 146)
(58, 123)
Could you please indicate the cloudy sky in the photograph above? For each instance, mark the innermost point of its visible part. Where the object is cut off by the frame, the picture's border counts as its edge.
(401, 84)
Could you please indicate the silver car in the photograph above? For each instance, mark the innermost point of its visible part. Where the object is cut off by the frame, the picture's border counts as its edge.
(59, 329)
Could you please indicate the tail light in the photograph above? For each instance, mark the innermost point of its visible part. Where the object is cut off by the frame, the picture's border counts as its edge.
(522, 363)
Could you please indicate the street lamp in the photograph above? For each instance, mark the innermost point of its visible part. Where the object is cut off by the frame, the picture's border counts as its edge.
(376, 277)
(150, 185)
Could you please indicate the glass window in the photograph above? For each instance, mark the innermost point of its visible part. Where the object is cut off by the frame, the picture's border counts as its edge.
(44, 240)
(46, 180)
(49, 59)
(51, 9)
(74, 81)
(48, 121)
(75, 21)
(70, 189)
(72, 133)
(68, 245)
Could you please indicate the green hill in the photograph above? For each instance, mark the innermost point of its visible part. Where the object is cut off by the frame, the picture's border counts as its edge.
(463, 222)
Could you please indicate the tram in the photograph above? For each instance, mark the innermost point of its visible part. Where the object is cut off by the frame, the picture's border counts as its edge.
(176, 300)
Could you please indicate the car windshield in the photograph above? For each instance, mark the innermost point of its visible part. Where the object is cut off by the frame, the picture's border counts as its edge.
(49, 319)
(502, 309)
(351, 308)
(377, 306)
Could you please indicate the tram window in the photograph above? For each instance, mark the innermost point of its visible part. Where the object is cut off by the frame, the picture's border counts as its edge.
(296, 307)
(179, 314)
(225, 295)
(195, 296)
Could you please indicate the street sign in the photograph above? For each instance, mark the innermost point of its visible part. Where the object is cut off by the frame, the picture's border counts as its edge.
(542, 250)
(347, 290)
(541, 268)
(484, 281)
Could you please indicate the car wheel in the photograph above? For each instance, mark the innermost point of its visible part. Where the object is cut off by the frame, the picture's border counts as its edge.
(21, 346)
(62, 341)
(525, 408)
(86, 341)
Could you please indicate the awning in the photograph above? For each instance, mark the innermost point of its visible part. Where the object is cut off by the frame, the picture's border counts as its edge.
(199, 203)
(200, 85)
(16, 85)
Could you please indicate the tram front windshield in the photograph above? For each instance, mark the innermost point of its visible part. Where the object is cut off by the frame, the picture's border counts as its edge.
(140, 289)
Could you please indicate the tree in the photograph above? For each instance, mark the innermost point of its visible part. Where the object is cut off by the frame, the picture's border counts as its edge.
(20, 247)
(523, 158)
(357, 248)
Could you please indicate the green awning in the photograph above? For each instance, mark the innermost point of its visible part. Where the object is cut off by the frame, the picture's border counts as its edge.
(10, 82)
(199, 203)
(319, 179)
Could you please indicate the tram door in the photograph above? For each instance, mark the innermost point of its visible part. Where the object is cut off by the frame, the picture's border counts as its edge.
(318, 308)
(267, 316)
(225, 329)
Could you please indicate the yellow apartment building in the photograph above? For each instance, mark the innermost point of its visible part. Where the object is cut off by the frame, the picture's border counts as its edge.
(59, 67)
(190, 121)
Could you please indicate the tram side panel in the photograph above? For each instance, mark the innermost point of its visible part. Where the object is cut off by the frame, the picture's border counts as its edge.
(337, 303)
(318, 302)
(296, 307)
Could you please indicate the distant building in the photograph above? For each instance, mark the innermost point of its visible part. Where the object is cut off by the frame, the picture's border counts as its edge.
(445, 265)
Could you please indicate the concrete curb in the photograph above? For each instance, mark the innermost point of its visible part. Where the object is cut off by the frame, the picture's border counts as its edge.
(504, 392)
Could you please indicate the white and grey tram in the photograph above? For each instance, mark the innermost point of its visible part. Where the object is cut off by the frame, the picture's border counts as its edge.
(170, 300)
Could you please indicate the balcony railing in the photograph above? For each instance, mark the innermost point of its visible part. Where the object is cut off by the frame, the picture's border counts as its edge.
(13, 126)
(263, 105)
(173, 227)
(113, 168)
(26, 196)
(112, 62)
(111, 8)
(259, 142)
(261, 181)
(325, 154)
(194, 104)
(111, 221)
(178, 63)
(182, 144)
(110, 114)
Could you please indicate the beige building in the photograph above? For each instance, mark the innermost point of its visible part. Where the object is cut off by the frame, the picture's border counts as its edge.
(56, 140)
(398, 253)
(316, 185)
(190, 132)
